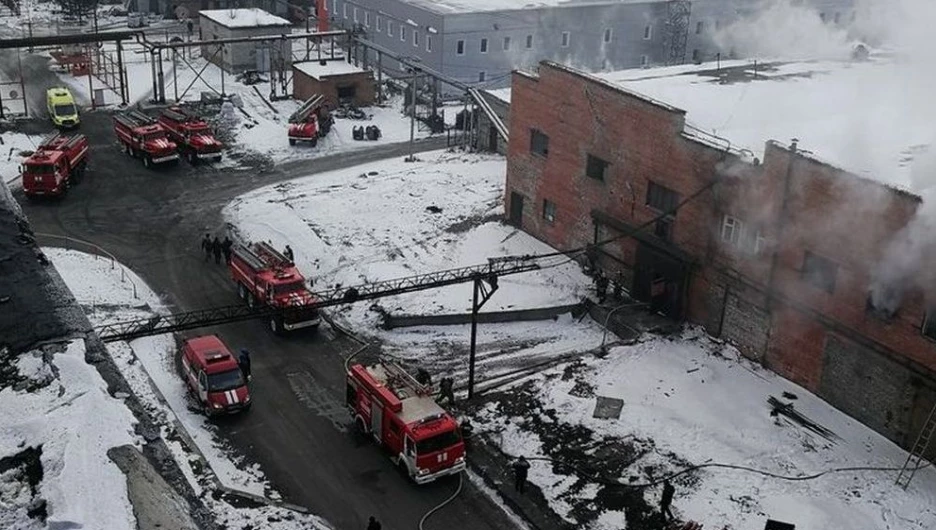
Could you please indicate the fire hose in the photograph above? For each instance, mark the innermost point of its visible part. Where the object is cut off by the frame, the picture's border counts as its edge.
(444, 503)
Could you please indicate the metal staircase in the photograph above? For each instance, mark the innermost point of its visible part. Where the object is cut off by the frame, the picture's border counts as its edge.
(915, 458)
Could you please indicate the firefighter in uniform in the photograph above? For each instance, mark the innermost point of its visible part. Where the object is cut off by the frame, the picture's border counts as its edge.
(445, 390)
(216, 250)
(521, 468)
(289, 254)
(206, 246)
(666, 500)
(226, 249)
(373, 524)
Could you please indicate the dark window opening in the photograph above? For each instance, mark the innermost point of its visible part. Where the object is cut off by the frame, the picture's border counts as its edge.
(596, 168)
(929, 324)
(347, 92)
(819, 272)
(549, 211)
(539, 143)
(883, 302)
(662, 198)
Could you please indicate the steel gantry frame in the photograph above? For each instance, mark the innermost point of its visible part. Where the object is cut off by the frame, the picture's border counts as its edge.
(158, 325)
(156, 50)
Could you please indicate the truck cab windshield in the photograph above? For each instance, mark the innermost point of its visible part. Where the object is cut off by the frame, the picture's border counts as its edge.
(438, 442)
(225, 380)
(43, 169)
(64, 109)
(284, 288)
(153, 136)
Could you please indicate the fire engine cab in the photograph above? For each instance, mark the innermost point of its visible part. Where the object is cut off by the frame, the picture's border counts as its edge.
(399, 413)
(213, 376)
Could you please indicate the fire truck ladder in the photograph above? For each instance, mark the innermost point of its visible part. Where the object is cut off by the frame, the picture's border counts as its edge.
(161, 324)
(134, 118)
(180, 114)
(397, 374)
(916, 456)
(310, 105)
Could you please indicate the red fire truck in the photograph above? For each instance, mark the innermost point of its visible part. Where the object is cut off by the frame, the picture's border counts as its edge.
(311, 122)
(59, 161)
(264, 276)
(400, 414)
(143, 137)
(213, 376)
(192, 134)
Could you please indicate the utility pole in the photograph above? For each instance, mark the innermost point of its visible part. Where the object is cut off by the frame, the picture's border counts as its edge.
(484, 292)
(412, 129)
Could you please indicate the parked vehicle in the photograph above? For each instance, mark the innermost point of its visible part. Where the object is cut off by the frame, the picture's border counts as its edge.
(311, 122)
(59, 161)
(267, 278)
(399, 413)
(213, 376)
(192, 135)
(62, 108)
(143, 137)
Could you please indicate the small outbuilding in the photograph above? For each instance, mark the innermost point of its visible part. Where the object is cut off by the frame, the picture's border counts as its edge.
(217, 24)
(336, 79)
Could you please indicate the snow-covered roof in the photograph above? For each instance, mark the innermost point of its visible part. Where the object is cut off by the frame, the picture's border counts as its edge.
(329, 69)
(477, 6)
(244, 18)
(865, 117)
(502, 94)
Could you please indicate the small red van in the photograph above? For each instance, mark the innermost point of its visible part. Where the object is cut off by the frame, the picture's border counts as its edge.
(213, 376)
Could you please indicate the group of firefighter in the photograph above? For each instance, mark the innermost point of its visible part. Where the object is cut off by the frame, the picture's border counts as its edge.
(216, 248)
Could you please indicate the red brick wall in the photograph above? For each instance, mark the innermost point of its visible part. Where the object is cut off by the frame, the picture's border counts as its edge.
(829, 213)
(305, 86)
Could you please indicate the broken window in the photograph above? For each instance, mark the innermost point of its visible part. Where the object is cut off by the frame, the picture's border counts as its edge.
(929, 324)
(539, 143)
(819, 272)
(732, 230)
(596, 167)
(549, 211)
(883, 300)
(662, 198)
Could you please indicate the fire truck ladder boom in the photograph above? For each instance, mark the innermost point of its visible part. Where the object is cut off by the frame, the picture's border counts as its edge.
(180, 114)
(161, 324)
(303, 112)
(134, 118)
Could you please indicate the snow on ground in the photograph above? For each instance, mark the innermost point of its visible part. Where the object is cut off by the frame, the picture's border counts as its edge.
(106, 291)
(689, 401)
(345, 230)
(860, 116)
(64, 409)
(12, 154)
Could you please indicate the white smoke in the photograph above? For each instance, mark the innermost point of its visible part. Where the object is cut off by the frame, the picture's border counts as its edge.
(786, 29)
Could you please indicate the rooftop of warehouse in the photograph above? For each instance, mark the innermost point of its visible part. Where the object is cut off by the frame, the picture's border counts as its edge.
(244, 18)
(872, 118)
(477, 6)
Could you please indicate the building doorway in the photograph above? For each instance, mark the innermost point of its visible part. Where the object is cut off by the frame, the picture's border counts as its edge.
(660, 280)
(492, 138)
(516, 210)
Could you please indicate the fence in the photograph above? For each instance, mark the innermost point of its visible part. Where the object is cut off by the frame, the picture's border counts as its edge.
(71, 243)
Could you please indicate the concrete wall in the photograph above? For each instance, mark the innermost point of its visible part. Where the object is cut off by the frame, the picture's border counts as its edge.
(756, 297)
(488, 139)
(394, 15)
(237, 57)
(306, 86)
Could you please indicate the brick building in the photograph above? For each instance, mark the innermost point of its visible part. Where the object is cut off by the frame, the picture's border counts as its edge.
(776, 254)
(337, 80)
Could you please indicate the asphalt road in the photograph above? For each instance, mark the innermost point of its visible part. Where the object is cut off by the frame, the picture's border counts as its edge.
(152, 221)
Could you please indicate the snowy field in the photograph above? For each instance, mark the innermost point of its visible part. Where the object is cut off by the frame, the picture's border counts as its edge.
(60, 406)
(688, 400)
(148, 364)
(345, 229)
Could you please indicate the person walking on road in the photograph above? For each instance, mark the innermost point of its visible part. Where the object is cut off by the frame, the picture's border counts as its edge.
(373, 524)
(206, 246)
(244, 362)
(216, 250)
(521, 469)
(288, 252)
(226, 249)
(666, 500)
